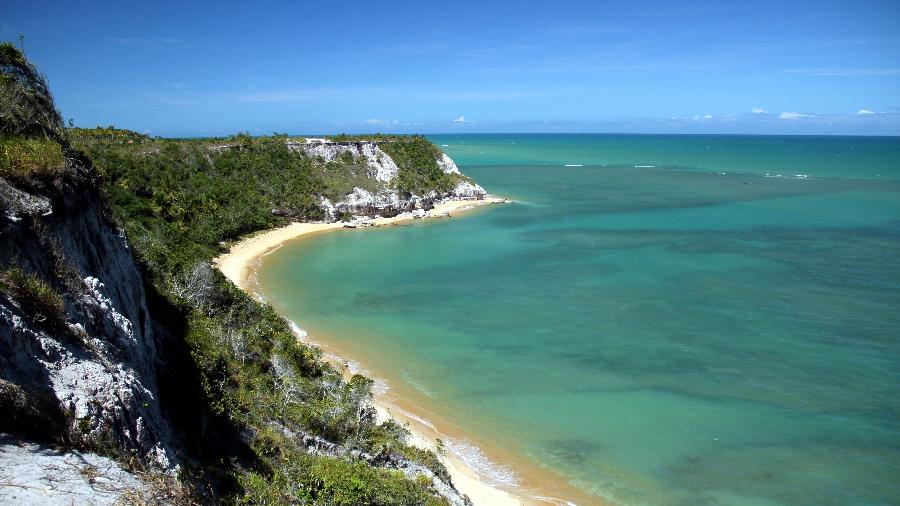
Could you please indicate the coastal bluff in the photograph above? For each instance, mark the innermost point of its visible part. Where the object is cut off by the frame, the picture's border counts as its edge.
(102, 368)
(383, 197)
(127, 358)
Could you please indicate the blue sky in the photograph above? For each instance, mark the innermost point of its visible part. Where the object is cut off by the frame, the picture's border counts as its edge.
(196, 68)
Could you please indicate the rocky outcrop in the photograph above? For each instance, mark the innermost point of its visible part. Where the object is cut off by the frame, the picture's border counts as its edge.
(384, 201)
(36, 474)
(102, 373)
(382, 166)
(93, 372)
(447, 164)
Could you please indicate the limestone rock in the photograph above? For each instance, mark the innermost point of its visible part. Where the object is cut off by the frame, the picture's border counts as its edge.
(35, 474)
(97, 374)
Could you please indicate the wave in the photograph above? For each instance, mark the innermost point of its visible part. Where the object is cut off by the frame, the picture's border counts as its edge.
(419, 419)
(300, 333)
(472, 456)
(379, 385)
(552, 500)
(795, 176)
(645, 166)
(574, 165)
(477, 461)
(488, 471)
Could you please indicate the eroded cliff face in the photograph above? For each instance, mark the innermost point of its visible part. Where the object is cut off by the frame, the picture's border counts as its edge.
(385, 200)
(383, 167)
(111, 373)
(88, 377)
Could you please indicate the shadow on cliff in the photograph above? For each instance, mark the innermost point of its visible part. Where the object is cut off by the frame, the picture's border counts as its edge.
(28, 404)
(211, 444)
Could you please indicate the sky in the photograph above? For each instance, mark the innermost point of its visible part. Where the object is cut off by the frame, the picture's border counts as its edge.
(194, 68)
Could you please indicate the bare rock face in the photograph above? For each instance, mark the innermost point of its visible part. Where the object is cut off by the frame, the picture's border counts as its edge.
(35, 474)
(93, 373)
(383, 167)
(447, 164)
(467, 190)
(385, 201)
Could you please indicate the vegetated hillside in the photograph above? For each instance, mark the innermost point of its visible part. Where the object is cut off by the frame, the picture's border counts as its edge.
(117, 336)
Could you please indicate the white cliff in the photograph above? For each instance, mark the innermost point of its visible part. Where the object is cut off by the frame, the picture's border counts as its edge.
(447, 164)
(93, 378)
(382, 166)
(385, 201)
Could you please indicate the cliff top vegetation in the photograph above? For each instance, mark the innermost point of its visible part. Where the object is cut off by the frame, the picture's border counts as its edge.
(262, 419)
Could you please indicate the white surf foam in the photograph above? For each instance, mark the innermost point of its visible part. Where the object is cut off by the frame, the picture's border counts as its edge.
(297, 330)
(644, 166)
(553, 500)
(475, 459)
(380, 387)
(419, 419)
(574, 165)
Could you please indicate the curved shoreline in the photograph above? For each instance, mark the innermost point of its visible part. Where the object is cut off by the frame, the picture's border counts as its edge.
(238, 265)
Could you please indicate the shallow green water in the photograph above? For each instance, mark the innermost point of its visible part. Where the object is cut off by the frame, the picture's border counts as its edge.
(659, 335)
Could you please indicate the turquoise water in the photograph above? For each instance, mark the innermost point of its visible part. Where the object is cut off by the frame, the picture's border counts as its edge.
(696, 332)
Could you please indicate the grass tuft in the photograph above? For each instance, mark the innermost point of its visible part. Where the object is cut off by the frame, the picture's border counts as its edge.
(36, 296)
(26, 159)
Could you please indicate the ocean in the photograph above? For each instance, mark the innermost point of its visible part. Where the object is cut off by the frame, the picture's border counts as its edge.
(656, 319)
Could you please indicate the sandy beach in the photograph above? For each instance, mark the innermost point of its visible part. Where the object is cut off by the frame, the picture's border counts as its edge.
(237, 265)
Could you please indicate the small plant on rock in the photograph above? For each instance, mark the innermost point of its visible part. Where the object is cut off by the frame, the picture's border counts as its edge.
(34, 295)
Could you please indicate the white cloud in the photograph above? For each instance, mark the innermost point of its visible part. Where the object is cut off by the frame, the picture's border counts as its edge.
(759, 110)
(866, 111)
(793, 115)
(381, 122)
(708, 116)
(461, 119)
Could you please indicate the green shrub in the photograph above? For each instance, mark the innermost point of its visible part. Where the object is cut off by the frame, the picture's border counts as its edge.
(417, 159)
(35, 295)
(109, 133)
(305, 479)
(26, 105)
(26, 159)
(248, 381)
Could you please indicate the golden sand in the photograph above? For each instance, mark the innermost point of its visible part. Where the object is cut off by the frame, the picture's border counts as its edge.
(237, 265)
